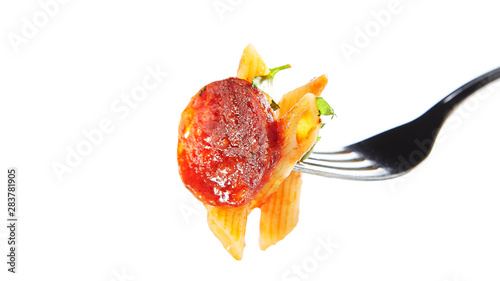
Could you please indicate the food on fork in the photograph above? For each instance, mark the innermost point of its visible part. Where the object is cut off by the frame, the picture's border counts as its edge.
(237, 148)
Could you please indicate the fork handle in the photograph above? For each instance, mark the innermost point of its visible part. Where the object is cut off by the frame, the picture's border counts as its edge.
(456, 97)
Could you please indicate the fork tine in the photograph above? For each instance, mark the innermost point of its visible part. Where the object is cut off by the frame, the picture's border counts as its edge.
(360, 173)
(357, 164)
(336, 151)
(338, 156)
(341, 163)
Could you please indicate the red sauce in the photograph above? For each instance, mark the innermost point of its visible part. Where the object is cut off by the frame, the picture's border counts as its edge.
(229, 143)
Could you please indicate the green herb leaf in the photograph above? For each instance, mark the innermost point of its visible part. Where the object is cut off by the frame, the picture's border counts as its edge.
(202, 91)
(275, 70)
(323, 107)
(274, 105)
(258, 81)
(310, 151)
(266, 81)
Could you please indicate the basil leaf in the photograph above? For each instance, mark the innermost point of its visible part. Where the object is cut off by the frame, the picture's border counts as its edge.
(323, 107)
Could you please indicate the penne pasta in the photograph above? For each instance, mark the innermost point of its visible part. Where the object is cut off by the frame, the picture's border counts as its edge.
(315, 86)
(251, 65)
(280, 213)
(229, 224)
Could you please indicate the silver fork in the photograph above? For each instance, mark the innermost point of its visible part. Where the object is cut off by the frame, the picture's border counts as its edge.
(394, 152)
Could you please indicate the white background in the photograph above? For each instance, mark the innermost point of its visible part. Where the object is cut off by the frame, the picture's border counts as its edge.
(122, 212)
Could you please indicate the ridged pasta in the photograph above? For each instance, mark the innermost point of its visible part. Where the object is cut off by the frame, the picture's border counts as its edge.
(251, 64)
(315, 86)
(229, 225)
(280, 213)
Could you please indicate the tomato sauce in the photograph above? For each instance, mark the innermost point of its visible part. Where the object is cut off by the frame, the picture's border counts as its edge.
(229, 143)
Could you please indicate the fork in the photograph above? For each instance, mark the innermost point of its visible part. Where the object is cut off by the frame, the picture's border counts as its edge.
(394, 152)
